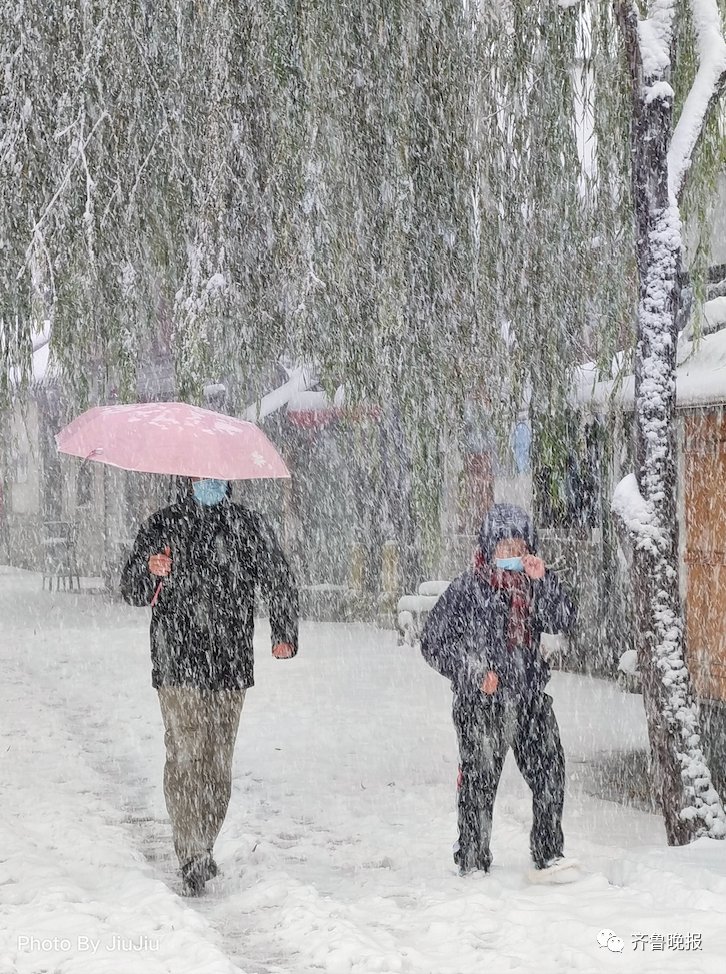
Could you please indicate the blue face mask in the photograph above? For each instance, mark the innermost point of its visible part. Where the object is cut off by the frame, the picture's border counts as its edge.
(209, 492)
(509, 564)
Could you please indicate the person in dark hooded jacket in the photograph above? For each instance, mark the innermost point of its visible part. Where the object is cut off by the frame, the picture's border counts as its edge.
(197, 563)
(484, 635)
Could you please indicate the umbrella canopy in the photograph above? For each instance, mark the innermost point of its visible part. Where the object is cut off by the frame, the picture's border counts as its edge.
(172, 438)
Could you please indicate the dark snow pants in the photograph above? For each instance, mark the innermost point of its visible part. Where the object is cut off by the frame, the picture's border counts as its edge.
(486, 728)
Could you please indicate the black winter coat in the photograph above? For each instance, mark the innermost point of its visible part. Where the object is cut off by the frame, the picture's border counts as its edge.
(203, 622)
(465, 636)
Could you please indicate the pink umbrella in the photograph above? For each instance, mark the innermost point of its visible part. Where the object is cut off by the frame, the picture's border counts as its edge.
(172, 438)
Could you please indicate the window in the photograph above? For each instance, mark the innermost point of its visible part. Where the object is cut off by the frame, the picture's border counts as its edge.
(568, 476)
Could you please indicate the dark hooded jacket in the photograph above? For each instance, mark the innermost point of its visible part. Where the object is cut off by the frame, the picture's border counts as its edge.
(202, 625)
(465, 635)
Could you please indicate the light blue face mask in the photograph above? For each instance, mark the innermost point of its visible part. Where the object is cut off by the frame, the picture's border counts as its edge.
(509, 564)
(209, 492)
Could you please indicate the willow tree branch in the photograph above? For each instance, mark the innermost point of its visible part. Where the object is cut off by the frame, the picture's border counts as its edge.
(64, 182)
(626, 12)
(708, 87)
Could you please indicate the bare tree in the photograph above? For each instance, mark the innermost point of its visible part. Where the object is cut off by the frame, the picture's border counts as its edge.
(662, 150)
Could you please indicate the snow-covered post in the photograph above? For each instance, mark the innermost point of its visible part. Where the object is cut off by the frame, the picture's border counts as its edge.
(645, 502)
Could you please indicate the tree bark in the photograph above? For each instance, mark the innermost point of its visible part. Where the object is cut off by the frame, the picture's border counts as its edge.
(682, 780)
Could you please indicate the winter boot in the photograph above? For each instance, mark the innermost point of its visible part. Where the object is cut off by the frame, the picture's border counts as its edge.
(209, 866)
(194, 876)
(467, 864)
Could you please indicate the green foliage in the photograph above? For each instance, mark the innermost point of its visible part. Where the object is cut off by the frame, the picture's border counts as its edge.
(607, 99)
(394, 191)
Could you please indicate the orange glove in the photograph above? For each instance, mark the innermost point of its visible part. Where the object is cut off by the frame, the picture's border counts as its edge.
(161, 564)
(283, 651)
(490, 683)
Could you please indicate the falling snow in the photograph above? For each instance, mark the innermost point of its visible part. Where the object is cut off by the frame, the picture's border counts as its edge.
(335, 341)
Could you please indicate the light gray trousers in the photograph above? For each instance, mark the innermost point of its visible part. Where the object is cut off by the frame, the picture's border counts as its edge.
(200, 733)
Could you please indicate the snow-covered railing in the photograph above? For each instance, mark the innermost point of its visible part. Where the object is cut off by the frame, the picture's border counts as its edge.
(413, 609)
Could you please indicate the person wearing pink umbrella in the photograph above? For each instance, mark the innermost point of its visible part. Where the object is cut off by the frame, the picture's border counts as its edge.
(198, 563)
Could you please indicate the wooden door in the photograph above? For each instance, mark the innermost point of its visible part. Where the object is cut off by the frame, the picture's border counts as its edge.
(705, 508)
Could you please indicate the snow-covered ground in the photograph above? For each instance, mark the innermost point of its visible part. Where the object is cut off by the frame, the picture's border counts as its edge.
(336, 854)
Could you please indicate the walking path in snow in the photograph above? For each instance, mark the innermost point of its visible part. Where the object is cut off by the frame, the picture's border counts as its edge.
(336, 854)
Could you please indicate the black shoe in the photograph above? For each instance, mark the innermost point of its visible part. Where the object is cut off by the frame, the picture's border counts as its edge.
(209, 866)
(477, 867)
(194, 876)
(481, 863)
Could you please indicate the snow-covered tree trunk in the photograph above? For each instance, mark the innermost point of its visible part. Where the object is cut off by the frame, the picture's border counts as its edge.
(661, 156)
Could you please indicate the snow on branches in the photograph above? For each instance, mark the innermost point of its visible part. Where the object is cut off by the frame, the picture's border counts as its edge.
(650, 44)
(636, 513)
(707, 86)
(644, 502)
